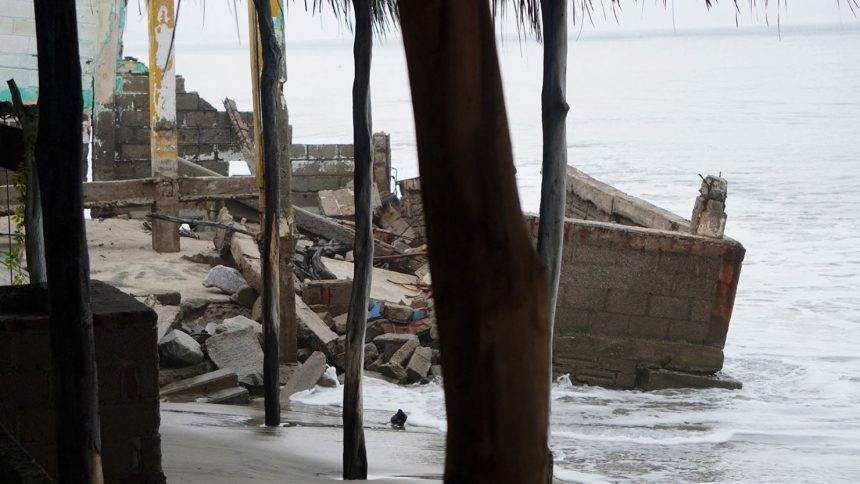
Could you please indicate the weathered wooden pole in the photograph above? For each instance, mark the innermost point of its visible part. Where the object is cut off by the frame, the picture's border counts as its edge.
(490, 287)
(162, 123)
(354, 451)
(269, 246)
(554, 110)
(58, 155)
(288, 330)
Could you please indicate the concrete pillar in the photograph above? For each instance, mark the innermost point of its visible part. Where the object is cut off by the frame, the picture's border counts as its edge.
(162, 123)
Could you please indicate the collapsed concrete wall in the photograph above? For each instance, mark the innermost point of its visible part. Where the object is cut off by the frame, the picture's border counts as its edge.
(641, 300)
(205, 134)
(127, 361)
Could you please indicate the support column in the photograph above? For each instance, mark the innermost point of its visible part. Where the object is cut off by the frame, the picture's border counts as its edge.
(162, 123)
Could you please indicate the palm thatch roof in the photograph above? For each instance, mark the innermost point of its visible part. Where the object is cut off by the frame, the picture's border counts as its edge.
(527, 13)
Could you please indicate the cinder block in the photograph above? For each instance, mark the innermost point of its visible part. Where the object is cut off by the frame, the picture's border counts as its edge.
(204, 105)
(669, 307)
(688, 331)
(188, 135)
(298, 152)
(134, 119)
(187, 101)
(594, 254)
(135, 83)
(700, 310)
(696, 287)
(609, 324)
(215, 136)
(202, 119)
(648, 327)
(583, 297)
(325, 152)
(627, 302)
(323, 182)
(346, 151)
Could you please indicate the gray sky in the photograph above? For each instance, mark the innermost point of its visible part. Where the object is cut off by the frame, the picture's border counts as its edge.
(219, 25)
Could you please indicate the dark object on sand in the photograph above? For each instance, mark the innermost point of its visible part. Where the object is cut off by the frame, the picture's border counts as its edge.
(398, 421)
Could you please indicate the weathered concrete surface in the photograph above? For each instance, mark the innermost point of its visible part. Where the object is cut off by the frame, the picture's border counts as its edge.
(305, 376)
(665, 379)
(240, 352)
(387, 285)
(419, 364)
(313, 330)
(121, 254)
(179, 350)
(201, 385)
(228, 396)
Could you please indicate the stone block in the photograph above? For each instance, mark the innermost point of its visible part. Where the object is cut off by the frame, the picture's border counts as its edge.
(610, 324)
(649, 327)
(669, 307)
(340, 323)
(396, 340)
(419, 363)
(688, 331)
(135, 119)
(700, 310)
(398, 312)
(244, 296)
(627, 302)
(239, 351)
(371, 353)
(394, 371)
(202, 384)
(312, 331)
(177, 349)
(227, 279)
(402, 355)
(658, 379)
(305, 376)
(228, 396)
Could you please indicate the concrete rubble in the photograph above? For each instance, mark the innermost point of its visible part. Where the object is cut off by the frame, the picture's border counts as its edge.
(402, 339)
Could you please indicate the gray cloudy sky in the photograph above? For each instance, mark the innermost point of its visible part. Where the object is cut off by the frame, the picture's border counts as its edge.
(219, 24)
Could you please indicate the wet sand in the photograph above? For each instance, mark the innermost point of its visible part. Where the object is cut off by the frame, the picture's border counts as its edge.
(228, 444)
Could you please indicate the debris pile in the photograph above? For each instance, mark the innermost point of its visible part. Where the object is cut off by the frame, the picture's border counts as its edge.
(211, 351)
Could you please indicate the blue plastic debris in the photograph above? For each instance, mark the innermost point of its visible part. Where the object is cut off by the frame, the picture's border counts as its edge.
(375, 311)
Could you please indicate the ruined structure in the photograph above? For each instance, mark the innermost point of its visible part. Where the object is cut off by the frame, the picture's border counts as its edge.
(643, 303)
(127, 360)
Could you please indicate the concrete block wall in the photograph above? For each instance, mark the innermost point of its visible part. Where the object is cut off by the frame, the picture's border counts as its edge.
(591, 199)
(332, 166)
(127, 359)
(412, 208)
(205, 134)
(636, 297)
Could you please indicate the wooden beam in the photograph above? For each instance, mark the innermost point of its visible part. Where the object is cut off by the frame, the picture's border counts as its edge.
(270, 244)
(490, 288)
(58, 156)
(162, 122)
(354, 449)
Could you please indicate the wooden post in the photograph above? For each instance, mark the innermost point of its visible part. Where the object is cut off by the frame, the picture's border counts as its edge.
(489, 286)
(269, 246)
(288, 331)
(254, 50)
(162, 122)
(58, 155)
(354, 451)
(554, 110)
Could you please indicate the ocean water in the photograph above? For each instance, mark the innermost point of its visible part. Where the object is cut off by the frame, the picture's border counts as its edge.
(779, 118)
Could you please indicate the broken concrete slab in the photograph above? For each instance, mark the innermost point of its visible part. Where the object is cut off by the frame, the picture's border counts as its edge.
(168, 316)
(245, 296)
(419, 364)
(371, 353)
(177, 349)
(313, 331)
(395, 339)
(238, 323)
(246, 254)
(388, 286)
(239, 351)
(660, 379)
(305, 376)
(394, 371)
(167, 376)
(340, 323)
(228, 396)
(436, 371)
(337, 203)
(226, 279)
(402, 355)
(398, 312)
(202, 384)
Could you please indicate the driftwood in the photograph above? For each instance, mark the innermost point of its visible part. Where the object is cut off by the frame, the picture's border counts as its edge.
(354, 451)
(328, 229)
(204, 223)
(270, 244)
(492, 298)
(58, 156)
